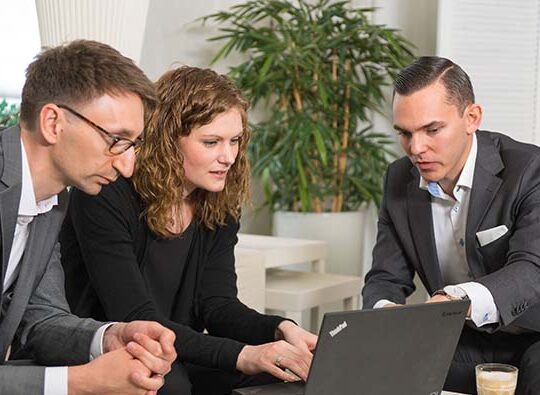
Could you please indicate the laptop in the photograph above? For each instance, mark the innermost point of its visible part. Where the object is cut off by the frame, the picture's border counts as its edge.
(398, 350)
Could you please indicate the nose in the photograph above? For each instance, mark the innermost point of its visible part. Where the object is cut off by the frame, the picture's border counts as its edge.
(228, 154)
(125, 162)
(417, 144)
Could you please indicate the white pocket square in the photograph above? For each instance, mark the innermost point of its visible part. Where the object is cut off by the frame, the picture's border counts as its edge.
(489, 235)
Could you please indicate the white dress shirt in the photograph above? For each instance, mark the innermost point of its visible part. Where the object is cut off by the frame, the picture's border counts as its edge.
(56, 378)
(449, 224)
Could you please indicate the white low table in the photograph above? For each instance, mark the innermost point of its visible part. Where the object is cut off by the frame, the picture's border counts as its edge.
(280, 251)
(290, 293)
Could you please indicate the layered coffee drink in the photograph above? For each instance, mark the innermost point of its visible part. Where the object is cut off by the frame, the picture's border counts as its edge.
(496, 379)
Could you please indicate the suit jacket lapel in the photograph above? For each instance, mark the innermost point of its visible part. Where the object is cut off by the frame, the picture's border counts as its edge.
(421, 225)
(39, 237)
(40, 243)
(485, 186)
(23, 290)
(10, 192)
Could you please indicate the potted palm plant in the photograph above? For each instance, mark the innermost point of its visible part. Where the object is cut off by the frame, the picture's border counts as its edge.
(9, 114)
(320, 69)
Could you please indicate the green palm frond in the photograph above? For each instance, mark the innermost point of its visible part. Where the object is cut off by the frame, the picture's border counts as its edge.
(320, 68)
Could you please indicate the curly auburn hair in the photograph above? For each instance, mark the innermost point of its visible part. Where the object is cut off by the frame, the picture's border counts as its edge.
(188, 97)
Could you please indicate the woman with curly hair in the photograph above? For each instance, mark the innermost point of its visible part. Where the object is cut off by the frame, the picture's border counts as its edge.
(161, 246)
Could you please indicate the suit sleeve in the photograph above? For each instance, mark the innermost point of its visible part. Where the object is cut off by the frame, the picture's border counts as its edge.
(516, 285)
(49, 332)
(22, 380)
(391, 276)
(105, 230)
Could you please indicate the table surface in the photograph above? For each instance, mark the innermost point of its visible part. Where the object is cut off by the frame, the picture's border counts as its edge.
(282, 251)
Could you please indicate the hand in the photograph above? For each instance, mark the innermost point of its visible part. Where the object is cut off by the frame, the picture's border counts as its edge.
(149, 342)
(293, 334)
(439, 298)
(116, 372)
(445, 298)
(392, 304)
(274, 358)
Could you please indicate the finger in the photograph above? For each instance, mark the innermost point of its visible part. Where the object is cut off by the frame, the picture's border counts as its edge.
(166, 340)
(286, 356)
(298, 353)
(151, 345)
(312, 342)
(152, 383)
(297, 359)
(162, 347)
(302, 346)
(158, 332)
(280, 373)
(155, 364)
(297, 366)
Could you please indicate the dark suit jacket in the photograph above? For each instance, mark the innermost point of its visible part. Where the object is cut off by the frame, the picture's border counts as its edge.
(506, 191)
(38, 308)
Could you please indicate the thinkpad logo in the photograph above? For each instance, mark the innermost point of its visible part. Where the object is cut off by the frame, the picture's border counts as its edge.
(338, 329)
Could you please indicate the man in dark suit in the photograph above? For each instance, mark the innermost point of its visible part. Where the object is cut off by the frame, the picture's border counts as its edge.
(82, 113)
(462, 211)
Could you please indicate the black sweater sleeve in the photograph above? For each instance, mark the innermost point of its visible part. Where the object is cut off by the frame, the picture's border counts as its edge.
(223, 314)
(104, 230)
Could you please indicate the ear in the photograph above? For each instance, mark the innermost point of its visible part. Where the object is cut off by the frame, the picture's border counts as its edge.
(51, 122)
(473, 117)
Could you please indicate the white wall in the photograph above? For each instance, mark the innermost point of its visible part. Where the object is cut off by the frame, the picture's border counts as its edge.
(174, 36)
(497, 44)
(20, 43)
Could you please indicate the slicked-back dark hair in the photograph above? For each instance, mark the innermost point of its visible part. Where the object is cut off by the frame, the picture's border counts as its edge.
(78, 72)
(425, 70)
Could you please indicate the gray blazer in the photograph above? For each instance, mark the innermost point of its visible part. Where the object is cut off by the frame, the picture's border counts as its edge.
(38, 308)
(506, 191)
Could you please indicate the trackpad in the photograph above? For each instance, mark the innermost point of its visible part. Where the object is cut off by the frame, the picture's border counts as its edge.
(296, 388)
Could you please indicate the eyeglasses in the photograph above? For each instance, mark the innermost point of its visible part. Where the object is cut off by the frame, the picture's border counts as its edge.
(118, 145)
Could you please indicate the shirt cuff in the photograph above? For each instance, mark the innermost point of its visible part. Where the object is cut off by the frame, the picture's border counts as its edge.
(96, 347)
(382, 303)
(56, 381)
(483, 308)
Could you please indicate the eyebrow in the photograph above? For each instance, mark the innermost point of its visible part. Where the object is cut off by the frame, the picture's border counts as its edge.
(423, 127)
(125, 133)
(211, 135)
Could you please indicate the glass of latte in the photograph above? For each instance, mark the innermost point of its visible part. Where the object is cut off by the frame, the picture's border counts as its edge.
(496, 379)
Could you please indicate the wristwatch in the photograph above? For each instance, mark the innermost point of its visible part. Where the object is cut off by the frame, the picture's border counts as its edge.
(453, 292)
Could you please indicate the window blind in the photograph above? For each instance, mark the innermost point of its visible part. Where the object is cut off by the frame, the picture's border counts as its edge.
(497, 44)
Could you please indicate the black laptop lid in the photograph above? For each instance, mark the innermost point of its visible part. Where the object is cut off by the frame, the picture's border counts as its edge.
(398, 350)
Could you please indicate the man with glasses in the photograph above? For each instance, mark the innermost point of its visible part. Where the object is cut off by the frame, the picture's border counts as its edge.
(118, 145)
(82, 115)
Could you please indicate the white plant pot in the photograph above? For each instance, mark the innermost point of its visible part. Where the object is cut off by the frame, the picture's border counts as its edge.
(350, 236)
(119, 23)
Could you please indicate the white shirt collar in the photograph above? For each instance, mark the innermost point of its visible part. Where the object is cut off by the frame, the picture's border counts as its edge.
(465, 179)
(28, 205)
